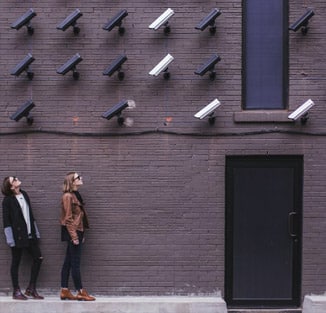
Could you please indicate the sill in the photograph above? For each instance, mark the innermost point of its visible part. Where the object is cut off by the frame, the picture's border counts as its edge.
(262, 116)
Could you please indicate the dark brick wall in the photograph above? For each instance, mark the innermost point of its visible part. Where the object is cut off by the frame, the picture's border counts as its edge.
(154, 191)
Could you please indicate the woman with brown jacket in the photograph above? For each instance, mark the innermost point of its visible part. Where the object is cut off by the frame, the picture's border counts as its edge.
(73, 224)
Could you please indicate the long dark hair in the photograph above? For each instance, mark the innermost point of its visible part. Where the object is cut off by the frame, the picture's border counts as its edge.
(6, 187)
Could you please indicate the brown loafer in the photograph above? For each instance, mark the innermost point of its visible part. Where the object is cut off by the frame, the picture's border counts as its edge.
(82, 295)
(65, 294)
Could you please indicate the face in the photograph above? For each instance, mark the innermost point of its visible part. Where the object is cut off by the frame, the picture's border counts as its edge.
(78, 180)
(15, 182)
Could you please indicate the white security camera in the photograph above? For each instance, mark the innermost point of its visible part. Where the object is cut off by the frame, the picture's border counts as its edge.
(302, 111)
(162, 66)
(208, 110)
(162, 20)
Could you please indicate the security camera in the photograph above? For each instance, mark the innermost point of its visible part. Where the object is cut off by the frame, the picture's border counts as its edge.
(209, 20)
(70, 65)
(208, 110)
(24, 111)
(162, 66)
(25, 20)
(24, 66)
(117, 110)
(163, 20)
(302, 22)
(302, 112)
(209, 65)
(71, 20)
(116, 66)
(116, 21)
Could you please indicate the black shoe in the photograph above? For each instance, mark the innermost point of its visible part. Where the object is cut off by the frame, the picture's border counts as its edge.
(18, 295)
(31, 292)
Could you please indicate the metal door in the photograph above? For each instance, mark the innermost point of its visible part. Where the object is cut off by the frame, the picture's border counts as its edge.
(263, 231)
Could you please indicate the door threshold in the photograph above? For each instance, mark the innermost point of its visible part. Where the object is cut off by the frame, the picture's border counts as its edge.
(264, 310)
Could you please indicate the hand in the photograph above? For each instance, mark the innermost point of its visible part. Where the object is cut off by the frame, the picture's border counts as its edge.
(75, 242)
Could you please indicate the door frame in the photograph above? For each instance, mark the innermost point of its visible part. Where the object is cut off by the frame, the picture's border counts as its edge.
(297, 162)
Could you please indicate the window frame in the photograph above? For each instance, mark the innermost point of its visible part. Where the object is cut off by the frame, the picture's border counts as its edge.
(272, 113)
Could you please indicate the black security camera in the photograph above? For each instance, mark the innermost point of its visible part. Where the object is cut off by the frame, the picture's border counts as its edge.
(25, 20)
(24, 66)
(117, 110)
(209, 20)
(24, 111)
(70, 65)
(302, 22)
(116, 66)
(71, 20)
(209, 66)
(116, 21)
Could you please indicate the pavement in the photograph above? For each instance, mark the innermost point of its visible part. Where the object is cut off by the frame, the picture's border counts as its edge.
(314, 304)
(126, 304)
(166, 304)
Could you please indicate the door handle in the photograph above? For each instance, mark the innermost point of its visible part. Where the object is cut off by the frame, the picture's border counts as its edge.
(291, 224)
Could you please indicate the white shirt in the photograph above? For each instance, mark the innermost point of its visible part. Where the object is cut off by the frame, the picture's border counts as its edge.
(25, 210)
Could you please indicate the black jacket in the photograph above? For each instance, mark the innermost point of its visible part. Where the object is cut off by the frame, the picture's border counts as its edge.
(14, 223)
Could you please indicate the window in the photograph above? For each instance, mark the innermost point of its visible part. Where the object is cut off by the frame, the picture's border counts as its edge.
(265, 54)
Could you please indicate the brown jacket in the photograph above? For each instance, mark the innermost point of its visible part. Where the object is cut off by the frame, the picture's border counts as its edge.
(73, 215)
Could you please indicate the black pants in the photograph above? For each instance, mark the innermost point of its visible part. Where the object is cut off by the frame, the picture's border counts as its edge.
(72, 263)
(34, 251)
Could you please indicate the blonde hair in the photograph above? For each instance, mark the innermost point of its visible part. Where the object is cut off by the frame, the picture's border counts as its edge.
(68, 182)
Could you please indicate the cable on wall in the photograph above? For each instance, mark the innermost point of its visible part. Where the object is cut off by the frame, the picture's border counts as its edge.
(164, 132)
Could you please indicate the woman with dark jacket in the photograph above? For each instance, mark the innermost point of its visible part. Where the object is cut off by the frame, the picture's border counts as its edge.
(73, 224)
(21, 234)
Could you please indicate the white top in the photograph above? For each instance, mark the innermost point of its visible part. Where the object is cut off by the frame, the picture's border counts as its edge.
(25, 210)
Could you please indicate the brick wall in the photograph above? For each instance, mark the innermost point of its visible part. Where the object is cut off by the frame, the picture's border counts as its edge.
(154, 191)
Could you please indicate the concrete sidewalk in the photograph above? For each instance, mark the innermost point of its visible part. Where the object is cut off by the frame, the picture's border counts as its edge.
(314, 304)
(173, 304)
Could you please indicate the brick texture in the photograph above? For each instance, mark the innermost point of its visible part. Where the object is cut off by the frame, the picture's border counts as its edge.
(154, 191)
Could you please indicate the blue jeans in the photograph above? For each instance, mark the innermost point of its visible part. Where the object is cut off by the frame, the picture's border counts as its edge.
(72, 263)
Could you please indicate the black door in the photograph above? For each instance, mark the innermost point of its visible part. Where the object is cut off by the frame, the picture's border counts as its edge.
(263, 231)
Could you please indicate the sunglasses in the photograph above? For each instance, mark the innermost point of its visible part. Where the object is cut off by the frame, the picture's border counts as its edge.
(78, 177)
(14, 178)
